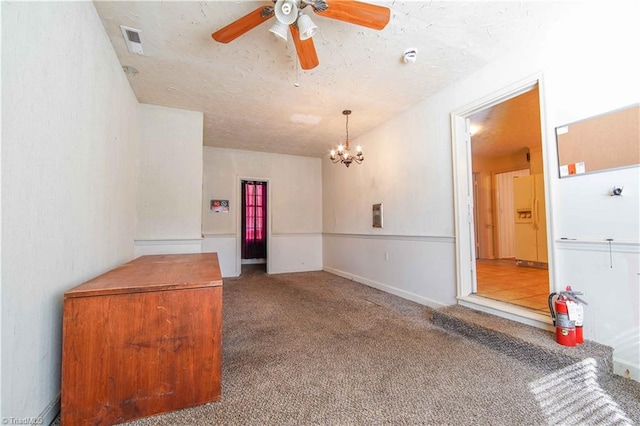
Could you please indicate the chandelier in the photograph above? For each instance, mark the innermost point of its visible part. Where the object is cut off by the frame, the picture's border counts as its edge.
(342, 154)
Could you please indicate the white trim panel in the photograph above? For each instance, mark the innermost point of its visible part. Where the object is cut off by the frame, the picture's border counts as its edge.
(388, 289)
(609, 277)
(626, 369)
(225, 246)
(417, 268)
(295, 253)
(598, 245)
(286, 253)
(177, 246)
(47, 416)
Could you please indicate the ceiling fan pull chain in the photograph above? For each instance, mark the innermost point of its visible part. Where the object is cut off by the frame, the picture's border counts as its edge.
(297, 83)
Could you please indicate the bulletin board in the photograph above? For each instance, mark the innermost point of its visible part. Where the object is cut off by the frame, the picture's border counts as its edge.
(607, 141)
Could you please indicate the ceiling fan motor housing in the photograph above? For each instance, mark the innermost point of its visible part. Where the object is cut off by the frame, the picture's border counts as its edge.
(286, 11)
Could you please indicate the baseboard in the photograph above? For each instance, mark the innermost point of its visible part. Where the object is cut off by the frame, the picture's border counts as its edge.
(253, 261)
(387, 288)
(50, 412)
(624, 369)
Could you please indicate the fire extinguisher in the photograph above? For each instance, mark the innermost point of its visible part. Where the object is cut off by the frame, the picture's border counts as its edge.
(567, 313)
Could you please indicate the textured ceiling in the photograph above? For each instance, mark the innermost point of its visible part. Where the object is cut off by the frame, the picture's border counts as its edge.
(508, 127)
(255, 97)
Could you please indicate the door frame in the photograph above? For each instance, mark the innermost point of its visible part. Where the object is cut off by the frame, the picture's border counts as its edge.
(239, 180)
(466, 277)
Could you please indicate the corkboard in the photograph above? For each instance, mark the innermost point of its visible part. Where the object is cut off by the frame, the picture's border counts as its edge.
(607, 141)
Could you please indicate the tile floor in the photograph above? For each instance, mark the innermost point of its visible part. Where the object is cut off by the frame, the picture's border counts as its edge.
(520, 285)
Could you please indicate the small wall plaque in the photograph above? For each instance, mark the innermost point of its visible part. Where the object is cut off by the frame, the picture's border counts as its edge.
(219, 206)
(377, 215)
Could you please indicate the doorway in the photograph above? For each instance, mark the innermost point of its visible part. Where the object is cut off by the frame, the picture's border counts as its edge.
(253, 225)
(496, 142)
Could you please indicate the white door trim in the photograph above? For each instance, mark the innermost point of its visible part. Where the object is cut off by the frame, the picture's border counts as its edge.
(466, 283)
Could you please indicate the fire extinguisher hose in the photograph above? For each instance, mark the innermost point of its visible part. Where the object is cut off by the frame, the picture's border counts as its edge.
(551, 309)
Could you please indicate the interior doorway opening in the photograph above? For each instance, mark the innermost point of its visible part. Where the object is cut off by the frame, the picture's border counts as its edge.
(506, 158)
(481, 159)
(253, 251)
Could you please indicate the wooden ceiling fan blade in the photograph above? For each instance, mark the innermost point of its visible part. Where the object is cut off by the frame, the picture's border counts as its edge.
(244, 24)
(359, 13)
(306, 50)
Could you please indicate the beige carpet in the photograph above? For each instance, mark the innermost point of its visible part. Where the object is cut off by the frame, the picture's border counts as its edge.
(314, 348)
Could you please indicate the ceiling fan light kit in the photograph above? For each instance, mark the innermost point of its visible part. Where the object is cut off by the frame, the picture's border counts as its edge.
(289, 12)
(279, 29)
(286, 11)
(306, 27)
(342, 154)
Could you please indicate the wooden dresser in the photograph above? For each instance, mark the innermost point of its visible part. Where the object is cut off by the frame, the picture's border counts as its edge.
(142, 339)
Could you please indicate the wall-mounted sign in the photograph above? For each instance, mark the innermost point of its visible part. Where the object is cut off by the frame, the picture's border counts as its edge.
(219, 206)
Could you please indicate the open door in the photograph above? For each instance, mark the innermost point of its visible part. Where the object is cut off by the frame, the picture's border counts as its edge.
(475, 288)
(254, 222)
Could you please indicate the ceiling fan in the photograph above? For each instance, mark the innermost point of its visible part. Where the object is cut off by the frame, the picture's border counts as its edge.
(289, 13)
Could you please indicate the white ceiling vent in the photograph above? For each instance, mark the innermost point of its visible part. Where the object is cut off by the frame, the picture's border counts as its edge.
(133, 39)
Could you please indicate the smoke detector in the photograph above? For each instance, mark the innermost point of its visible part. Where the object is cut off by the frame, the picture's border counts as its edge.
(133, 39)
(409, 56)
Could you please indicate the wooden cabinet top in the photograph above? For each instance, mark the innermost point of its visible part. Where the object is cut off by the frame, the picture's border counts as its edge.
(154, 273)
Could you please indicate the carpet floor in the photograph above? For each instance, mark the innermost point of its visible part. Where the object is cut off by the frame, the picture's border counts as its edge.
(314, 348)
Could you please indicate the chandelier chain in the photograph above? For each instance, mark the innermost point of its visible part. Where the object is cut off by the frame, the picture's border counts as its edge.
(347, 127)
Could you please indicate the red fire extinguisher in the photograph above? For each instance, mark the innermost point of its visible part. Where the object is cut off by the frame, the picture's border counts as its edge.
(567, 312)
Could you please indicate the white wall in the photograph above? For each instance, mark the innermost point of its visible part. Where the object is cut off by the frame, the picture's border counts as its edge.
(294, 208)
(169, 177)
(413, 267)
(598, 75)
(69, 133)
(413, 254)
(585, 72)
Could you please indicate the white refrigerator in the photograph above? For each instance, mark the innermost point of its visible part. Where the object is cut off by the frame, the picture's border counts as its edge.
(530, 220)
